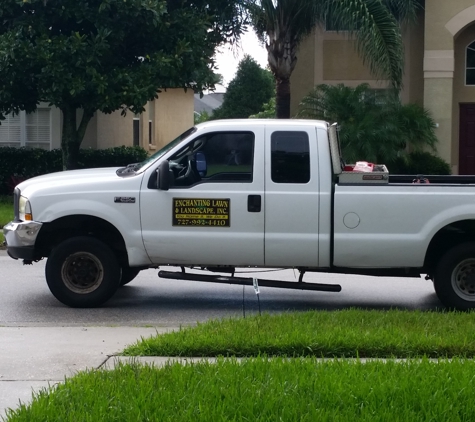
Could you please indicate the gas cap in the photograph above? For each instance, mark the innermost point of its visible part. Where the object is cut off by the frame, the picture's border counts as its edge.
(351, 220)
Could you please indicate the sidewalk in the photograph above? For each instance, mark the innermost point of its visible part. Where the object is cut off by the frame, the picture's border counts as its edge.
(32, 358)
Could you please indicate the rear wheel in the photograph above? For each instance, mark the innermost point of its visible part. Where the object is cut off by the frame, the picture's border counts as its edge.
(454, 278)
(82, 272)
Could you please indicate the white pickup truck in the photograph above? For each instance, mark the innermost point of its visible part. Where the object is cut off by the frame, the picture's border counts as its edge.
(244, 193)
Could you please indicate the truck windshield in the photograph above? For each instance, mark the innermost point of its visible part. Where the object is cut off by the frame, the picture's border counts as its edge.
(144, 164)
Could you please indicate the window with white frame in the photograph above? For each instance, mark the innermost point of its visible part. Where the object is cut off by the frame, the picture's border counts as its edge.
(470, 65)
(27, 129)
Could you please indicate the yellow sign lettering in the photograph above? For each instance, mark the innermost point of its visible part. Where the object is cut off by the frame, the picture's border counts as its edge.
(202, 212)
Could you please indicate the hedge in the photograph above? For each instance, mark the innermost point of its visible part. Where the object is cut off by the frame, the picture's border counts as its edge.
(18, 164)
(420, 163)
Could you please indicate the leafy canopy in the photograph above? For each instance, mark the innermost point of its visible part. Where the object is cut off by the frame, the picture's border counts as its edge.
(246, 94)
(108, 54)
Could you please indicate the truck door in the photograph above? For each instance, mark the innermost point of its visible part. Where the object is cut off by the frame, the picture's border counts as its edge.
(213, 213)
(291, 197)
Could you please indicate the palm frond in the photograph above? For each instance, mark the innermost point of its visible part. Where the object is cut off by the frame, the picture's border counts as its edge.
(404, 10)
(296, 18)
(378, 36)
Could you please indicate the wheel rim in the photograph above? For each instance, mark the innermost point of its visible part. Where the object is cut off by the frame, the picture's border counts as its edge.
(82, 272)
(463, 279)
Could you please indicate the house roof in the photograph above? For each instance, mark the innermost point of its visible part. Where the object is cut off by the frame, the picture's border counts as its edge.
(208, 102)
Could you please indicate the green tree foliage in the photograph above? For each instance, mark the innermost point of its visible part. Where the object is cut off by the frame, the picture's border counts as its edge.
(283, 24)
(375, 126)
(204, 116)
(267, 112)
(250, 89)
(83, 56)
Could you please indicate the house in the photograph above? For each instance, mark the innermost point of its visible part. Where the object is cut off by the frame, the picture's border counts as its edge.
(439, 73)
(163, 120)
(209, 101)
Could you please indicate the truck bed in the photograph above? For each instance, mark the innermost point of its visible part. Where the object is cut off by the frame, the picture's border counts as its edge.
(434, 179)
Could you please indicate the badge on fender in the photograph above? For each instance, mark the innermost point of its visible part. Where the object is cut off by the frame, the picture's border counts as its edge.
(124, 200)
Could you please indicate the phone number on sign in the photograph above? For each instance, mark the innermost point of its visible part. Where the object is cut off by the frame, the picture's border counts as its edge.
(185, 222)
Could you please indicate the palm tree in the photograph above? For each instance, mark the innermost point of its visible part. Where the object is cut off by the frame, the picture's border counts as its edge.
(374, 125)
(283, 24)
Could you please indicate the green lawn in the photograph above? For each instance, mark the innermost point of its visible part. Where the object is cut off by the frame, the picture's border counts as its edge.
(264, 390)
(346, 333)
(282, 378)
(6, 213)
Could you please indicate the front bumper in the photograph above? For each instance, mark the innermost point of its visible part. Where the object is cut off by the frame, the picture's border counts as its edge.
(20, 238)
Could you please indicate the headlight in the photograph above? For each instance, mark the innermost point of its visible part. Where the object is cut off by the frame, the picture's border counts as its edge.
(25, 209)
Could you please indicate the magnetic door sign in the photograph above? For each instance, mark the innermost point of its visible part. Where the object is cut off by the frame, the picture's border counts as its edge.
(201, 212)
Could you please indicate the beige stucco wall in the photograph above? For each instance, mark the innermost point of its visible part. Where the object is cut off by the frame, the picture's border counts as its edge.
(448, 30)
(173, 115)
(461, 93)
(304, 74)
(331, 58)
(170, 115)
(341, 61)
(90, 137)
(439, 102)
(413, 79)
(442, 20)
(114, 130)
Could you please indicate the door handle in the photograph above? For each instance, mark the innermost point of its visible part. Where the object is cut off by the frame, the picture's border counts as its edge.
(254, 203)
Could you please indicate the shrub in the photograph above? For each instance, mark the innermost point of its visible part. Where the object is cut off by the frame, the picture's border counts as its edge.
(267, 112)
(375, 126)
(204, 116)
(419, 163)
(18, 164)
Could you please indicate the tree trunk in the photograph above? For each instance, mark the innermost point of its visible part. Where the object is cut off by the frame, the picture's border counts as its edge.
(72, 135)
(282, 98)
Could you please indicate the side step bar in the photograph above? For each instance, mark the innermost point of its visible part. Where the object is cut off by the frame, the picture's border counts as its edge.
(176, 275)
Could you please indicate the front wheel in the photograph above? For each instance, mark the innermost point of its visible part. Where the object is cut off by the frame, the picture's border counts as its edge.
(82, 272)
(128, 274)
(454, 278)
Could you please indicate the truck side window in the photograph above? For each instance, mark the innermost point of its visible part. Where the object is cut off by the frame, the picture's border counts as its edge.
(215, 157)
(290, 157)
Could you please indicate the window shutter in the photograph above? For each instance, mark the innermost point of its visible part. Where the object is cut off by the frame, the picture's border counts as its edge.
(38, 128)
(10, 131)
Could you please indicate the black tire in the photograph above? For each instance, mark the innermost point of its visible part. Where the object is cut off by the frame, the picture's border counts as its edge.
(454, 278)
(82, 272)
(128, 274)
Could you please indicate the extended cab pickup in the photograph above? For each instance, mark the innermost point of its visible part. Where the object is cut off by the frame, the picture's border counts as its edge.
(244, 193)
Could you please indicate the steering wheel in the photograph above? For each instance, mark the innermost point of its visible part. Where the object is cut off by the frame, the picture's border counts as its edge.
(191, 174)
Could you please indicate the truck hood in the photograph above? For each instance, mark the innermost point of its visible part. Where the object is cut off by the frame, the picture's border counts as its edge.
(74, 180)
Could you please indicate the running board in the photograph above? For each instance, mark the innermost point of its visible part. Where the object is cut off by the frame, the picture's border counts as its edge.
(250, 281)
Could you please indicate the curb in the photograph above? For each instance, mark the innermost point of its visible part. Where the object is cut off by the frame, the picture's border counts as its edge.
(113, 362)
